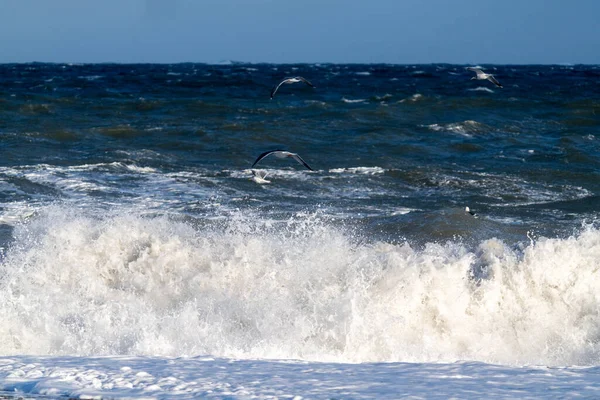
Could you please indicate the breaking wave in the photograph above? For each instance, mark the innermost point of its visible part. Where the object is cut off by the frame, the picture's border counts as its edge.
(304, 288)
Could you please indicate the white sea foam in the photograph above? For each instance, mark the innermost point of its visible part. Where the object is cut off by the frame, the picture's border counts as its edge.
(465, 128)
(402, 211)
(154, 128)
(115, 165)
(481, 89)
(530, 192)
(345, 100)
(363, 73)
(414, 98)
(74, 284)
(16, 212)
(358, 170)
(207, 377)
(499, 186)
(296, 174)
(96, 185)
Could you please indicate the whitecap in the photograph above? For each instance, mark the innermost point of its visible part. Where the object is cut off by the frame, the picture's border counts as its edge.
(345, 100)
(358, 170)
(296, 174)
(465, 128)
(402, 211)
(138, 169)
(481, 89)
(414, 98)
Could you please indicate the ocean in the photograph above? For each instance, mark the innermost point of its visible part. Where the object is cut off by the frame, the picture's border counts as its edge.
(141, 257)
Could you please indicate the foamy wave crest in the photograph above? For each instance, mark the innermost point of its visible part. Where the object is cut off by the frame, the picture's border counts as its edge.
(352, 101)
(121, 284)
(481, 89)
(296, 174)
(465, 128)
(413, 99)
(359, 170)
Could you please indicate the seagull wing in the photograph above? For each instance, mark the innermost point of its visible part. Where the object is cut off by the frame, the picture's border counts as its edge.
(305, 81)
(476, 70)
(494, 80)
(276, 87)
(263, 155)
(301, 161)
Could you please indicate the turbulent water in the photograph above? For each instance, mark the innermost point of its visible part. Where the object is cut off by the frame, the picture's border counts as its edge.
(130, 222)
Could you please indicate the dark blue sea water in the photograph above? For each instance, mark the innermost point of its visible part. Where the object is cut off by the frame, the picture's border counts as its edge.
(130, 222)
(398, 150)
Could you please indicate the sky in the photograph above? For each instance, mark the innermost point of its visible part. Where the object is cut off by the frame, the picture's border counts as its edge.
(301, 31)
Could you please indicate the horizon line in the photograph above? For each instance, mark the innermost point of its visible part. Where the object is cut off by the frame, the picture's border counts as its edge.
(236, 62)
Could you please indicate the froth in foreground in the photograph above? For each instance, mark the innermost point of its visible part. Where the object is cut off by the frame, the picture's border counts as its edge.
(304, 289)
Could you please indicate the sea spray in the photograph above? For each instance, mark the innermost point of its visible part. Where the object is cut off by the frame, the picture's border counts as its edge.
(122, 284)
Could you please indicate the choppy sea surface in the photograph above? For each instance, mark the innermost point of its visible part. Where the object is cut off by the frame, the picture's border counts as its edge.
(139, 256)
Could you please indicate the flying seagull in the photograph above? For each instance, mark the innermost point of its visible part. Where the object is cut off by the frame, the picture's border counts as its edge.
(295, 79)
(281, 154)
(483, 75)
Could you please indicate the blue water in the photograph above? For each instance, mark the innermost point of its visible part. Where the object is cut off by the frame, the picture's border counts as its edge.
(398, 150)
(130, 222)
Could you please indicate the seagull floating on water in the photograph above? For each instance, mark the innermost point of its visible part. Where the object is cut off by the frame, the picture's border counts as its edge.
(482, 75)
(260, 177)
(295, 79)
(468, 211)
(281, 154)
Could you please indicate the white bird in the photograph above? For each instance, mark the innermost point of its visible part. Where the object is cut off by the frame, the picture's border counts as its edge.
(482, 75)
(282, 154)
(260, 177)
(295, 79)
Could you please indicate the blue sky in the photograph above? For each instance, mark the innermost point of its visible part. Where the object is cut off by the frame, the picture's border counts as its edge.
(288, 31)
